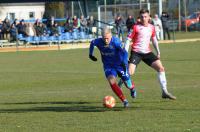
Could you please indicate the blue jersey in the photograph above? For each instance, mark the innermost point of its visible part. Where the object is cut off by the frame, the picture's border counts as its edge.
(113, 54)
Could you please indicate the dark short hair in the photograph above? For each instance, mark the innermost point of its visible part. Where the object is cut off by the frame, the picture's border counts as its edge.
(142, 11)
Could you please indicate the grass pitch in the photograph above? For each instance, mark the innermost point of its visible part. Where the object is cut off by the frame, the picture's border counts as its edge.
(62, 91)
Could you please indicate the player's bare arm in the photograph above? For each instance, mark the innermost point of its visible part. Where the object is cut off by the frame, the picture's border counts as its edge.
(155, 45)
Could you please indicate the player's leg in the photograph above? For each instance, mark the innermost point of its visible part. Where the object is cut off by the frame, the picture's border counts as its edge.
(168, 33)
(111, 75)
(158, 35)
(131, 70)
(120, 83)
(118, 31)
(125, 77)
(131, 86)
(157, 65)
(164, 33)
(153, 61)
(134, 59)
(112, 81)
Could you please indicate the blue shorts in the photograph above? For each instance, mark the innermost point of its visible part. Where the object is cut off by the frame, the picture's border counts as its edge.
(117, 71)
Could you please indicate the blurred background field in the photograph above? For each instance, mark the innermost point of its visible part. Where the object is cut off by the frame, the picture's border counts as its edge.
(186, 35)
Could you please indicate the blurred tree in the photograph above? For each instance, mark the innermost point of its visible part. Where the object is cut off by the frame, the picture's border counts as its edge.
(55, 9)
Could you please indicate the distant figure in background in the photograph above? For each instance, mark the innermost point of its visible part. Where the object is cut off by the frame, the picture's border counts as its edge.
(37, 27)
(22, 28)
(36, 23)
(50, 22)
(16, 22)
(40, 29)
(165, 24)
(151, 20)
(158, 26)
(76, 23)
(83, 23)
(6, 29)
(138, 21)
(68, 26)
(119, 22)
(91, 23)
(30, 30)
(199, 18)
(54, 30)
(13, 33)
(130, 22)
(1, 24)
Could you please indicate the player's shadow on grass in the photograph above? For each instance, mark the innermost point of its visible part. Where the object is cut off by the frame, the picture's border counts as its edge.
(57, 102)
(70, 107)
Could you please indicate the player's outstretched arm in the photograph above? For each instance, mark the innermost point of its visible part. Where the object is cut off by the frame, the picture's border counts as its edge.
(127, 44)
(91, 49)
(124, 54)
(126, 50)
(155, 45)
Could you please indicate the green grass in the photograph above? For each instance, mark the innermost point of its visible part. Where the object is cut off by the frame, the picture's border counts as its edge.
(62, 91)
(185, 35)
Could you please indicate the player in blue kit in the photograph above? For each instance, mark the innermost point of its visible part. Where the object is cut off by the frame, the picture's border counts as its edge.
(115, 61)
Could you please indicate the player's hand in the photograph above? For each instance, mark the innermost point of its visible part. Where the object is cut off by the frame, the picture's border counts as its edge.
(93, 58)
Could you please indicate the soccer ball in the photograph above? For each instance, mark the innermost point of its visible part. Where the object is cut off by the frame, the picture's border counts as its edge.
(109, 101)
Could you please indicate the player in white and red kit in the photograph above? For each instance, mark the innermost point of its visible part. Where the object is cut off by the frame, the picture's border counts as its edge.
(141, 35)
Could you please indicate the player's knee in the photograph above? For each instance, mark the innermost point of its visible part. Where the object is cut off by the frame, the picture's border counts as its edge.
(111, 80)
(131, 69)
(131, 72)
(161, 69)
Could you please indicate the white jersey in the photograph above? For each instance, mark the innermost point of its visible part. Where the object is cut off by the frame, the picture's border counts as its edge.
(141, 36)
(158, 24)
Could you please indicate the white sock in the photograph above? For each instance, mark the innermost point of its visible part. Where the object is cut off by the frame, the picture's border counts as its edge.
(162, 81)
